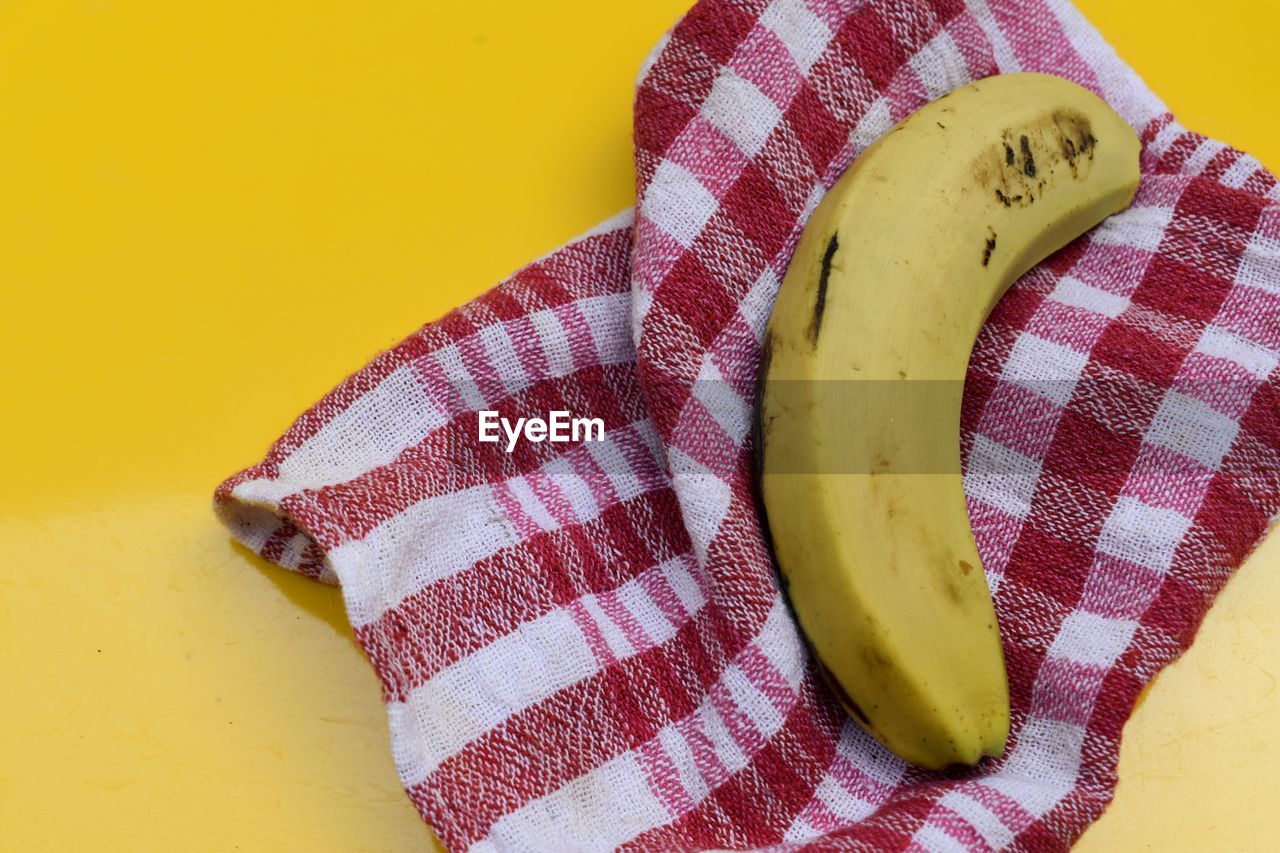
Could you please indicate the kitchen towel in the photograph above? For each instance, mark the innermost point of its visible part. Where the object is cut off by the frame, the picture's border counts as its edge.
(583, 646)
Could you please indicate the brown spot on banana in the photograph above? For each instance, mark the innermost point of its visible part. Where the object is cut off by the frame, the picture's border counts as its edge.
(757, 419)
(874, 660)
(1024, 162)
(1008, 200)
(1028, 159)
(824, 278)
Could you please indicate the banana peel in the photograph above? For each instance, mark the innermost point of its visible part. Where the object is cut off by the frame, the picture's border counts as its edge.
(866, 350)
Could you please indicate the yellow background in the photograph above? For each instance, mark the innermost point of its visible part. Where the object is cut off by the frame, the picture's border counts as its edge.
(210, 212)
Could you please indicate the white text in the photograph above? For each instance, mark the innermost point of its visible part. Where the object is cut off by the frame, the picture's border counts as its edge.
(559, 427)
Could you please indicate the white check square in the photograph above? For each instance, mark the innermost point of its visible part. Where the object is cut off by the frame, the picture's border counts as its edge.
(678, 203)
(1001, 476)
(803, 34)
(1074, 292)
(741, 112)
(1256, 359)
(1193, 428)
(1049, 369)
(1260, 266)
(1092, 639)
(1143, 535)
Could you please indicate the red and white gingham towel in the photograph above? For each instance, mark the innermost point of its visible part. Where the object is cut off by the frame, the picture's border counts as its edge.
(582, 646)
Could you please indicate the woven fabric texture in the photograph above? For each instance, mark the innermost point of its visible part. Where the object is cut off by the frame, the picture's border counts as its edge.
(583, 646)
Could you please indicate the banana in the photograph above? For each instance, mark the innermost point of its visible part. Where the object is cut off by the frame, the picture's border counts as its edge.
(895, 273)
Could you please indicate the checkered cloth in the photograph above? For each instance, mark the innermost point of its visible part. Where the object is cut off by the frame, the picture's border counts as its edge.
(583, 646)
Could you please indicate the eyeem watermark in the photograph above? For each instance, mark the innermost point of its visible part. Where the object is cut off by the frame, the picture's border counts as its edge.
(559, 427)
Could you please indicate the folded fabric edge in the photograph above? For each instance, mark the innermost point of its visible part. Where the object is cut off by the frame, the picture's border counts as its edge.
(272, 511)
(263, 526)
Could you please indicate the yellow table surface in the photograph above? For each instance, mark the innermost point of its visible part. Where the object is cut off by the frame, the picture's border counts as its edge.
(212, 210)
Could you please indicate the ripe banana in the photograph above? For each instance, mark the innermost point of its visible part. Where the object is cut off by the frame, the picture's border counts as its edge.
(894, 275)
